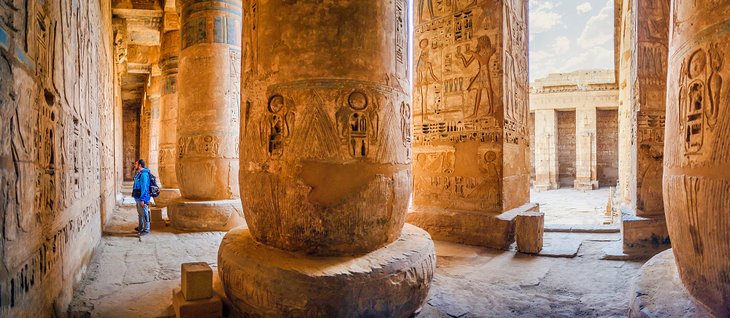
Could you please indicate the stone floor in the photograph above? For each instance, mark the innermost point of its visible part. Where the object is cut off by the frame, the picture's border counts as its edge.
(129, 277)
(570, 206)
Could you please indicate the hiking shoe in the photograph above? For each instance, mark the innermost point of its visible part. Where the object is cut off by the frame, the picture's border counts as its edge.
(136, 228)
(143, 233)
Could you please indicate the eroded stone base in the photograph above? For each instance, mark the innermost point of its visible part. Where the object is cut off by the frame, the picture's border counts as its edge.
(643, 236)
(657, 291)
(468, 227)
(166, 197)
(266, 282)
(221, 215)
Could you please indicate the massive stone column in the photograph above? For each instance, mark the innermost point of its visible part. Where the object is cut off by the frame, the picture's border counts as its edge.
(697, 150)
(169, 55)
(546, 150)
(586, 176)
(208, 105)
(325, 165)
(153, 97)
(471, 169)
(642, 87)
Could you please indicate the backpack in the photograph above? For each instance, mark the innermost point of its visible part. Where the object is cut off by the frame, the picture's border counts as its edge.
(154, 189)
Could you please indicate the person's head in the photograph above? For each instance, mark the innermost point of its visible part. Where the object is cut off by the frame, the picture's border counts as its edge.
(139, 164)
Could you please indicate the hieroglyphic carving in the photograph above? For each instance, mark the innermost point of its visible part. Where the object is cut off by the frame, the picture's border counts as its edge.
(700, 88)
(55, 66)
(278, 125)
(358, 123)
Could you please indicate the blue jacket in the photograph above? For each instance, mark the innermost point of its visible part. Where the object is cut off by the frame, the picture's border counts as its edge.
(142, 182)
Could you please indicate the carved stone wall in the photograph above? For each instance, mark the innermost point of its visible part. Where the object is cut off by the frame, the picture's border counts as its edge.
(56, 150)
(131, 131)
(470, 105)
(697, 150)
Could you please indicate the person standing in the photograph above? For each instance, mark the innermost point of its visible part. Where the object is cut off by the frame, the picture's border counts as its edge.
(141, 195)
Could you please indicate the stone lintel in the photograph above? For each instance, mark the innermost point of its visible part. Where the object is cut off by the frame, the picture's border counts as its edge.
(494, 230)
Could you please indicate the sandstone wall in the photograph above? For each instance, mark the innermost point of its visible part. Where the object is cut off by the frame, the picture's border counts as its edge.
(56, 148)
(566, 148)
(607, 146)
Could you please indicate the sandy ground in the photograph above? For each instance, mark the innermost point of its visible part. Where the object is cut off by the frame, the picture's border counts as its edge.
(133, 278)
(570, 206)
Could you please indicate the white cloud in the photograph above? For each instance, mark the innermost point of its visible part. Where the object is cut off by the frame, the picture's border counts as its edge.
(543, 17)
(598, 29)
(561, 45)
(584, 7)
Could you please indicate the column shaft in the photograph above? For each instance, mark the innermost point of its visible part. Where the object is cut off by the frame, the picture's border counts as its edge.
(585, 149)
(546, 149)
(697, 150)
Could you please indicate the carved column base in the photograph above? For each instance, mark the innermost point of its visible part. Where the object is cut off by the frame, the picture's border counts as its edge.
(657, 291)
(166, 197)
(193, 216)
(643, 236)
(262, 281)
(469, 227)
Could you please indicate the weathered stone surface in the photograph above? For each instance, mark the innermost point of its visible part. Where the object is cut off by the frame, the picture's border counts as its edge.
(208, 100)
(208, 85)
(220, 215)
(57, 181)
(204, 308)
(196, 280)
(657, 291)
(325, 131)
(642, 90)
(468, 227)
(470, 111)
(167, 196)
(169, 55)
(156, 214)
(589, 137)
(262, 281)
(697, 150)
(529, 229)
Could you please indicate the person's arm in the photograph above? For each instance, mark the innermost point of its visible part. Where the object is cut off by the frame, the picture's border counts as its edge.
(144, 187)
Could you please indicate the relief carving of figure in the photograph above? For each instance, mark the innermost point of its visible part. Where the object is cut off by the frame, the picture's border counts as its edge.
(278, 125)
(482, 82)
(425, 75)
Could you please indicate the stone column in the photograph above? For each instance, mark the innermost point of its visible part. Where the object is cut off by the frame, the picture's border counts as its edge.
(586, 173)
(153, 97)
(697, 150)
(546, 150)
(326, 165)
(144, 129)
(641, 126)
(170, 53)
(471, 143)
(208, 102)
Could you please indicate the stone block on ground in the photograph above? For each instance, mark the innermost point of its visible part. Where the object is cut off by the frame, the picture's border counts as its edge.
(221, 215)
(196, 280)
(529, 230)
(204, 308)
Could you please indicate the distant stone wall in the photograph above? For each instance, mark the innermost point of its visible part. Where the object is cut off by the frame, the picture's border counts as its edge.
(566, 148)
(57, 178)
(607, 146)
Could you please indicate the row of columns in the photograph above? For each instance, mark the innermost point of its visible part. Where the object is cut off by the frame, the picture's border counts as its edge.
(547, 169)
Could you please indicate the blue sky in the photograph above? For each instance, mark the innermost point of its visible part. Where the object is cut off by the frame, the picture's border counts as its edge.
(569, 35)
